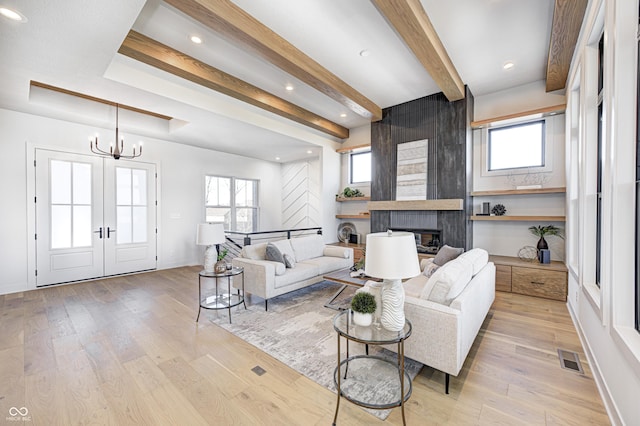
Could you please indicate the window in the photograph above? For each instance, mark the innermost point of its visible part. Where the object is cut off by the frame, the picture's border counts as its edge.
(237, 209)
(599, 160)
(360, 167)
(517, 146)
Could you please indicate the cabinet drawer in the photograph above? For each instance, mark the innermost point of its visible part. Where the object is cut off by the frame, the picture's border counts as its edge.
(539, 282)
(503, 278)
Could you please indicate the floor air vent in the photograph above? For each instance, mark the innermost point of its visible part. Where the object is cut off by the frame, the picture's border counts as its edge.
(258, 370)
(570, 360)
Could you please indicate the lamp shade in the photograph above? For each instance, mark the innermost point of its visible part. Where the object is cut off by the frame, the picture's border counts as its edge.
(391, 255)
(209, 234)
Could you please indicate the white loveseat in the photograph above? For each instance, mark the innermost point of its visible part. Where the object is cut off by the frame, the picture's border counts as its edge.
(313, 259)
(444, 330)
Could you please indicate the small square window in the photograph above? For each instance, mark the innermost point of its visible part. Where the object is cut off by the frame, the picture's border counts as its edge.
(360, 167)
(517, 146)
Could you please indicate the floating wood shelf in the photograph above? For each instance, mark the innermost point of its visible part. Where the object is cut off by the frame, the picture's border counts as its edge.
(352, 148)
(522, 218)
(353, 216)
(443, 204)
(343, 199)
(541, 112)
(559, 190)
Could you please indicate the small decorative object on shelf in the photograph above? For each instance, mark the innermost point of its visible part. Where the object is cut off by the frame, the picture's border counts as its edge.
(541, 231)
(221, 265)
(350, 193)
(363, 306)
(498, 210)
(528, 253)
(528, 180)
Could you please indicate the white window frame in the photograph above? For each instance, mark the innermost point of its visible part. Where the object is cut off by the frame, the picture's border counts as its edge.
(547, 148)
(351, 182)
(232, 201)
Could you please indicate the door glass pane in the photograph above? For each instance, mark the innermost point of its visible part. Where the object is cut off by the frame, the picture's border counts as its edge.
(60, 227)
(123, 186)
(123, 224)
(139, 190)
(139, 224)
(60, 182)
(81, 226)
(81, 183)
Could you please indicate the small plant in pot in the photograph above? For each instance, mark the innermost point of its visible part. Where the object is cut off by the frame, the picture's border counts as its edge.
(541, 231)
(363, 306)
(221, 266)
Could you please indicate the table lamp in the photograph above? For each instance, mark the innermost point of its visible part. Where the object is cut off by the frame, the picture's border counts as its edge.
(392, 256)
(210, 234)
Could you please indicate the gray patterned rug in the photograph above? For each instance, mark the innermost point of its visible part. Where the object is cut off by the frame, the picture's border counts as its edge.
(298, 330)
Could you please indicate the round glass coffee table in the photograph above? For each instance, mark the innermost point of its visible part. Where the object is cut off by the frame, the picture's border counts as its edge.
(371, 381)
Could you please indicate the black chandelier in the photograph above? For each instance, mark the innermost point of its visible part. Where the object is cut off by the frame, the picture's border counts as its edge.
(115, 152)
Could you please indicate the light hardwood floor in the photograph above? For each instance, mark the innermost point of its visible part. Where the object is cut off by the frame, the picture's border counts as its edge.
(127, 350)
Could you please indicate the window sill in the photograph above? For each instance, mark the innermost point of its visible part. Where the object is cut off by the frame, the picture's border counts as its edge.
(594, 296)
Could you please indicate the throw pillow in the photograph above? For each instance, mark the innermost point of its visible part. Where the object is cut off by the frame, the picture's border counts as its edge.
(430, 269)
(478, 257)
(289, 261)
(450, 281)
(274, 254)
(446, 254)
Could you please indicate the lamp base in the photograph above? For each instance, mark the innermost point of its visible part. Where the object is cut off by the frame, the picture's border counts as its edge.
(392, 296)
(210, 258)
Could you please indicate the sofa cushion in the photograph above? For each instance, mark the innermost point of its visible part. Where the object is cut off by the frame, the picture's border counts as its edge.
(255, 251)
(301, 272)
(285, 248)
(274, 254)
(478, 258)
(328, 263)
(448, 281)
(307, 247)
(336, 252)
(413, 287)
(447, 254)
(289, 261)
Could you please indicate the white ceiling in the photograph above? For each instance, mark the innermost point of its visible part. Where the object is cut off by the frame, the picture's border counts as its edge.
(73, 44)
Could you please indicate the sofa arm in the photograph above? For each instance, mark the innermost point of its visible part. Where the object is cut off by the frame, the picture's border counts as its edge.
(259, 276)
(342, 252)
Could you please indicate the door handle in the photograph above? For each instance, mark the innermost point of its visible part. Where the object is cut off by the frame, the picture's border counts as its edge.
(109, 231)
(99, 231)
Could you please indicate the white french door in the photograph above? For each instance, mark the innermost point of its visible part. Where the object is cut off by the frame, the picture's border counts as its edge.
(94, 217)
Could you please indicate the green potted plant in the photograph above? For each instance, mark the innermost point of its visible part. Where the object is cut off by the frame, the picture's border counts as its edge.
(350, 193)
(541, 231)
(363, 306)
(221, 266)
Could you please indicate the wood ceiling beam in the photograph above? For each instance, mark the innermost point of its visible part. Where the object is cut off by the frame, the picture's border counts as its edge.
(567, 20)
(227, 19)
(151, 52)
(411, 22)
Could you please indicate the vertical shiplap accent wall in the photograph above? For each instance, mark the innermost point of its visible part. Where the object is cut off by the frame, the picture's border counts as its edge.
(446, 125)
(301, 194)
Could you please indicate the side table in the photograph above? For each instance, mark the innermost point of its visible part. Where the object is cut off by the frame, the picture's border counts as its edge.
(221, 300)
(390, 386)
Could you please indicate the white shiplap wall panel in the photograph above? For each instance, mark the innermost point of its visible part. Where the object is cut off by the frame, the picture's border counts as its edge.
(301, 194)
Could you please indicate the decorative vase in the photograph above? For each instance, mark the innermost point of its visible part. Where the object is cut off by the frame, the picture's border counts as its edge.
(542, 244)
(392, 296)
(220, 267)
(362, 319)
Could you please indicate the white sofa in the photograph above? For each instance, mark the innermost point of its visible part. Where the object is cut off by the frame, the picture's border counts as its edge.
(313, 259)
(444, 332)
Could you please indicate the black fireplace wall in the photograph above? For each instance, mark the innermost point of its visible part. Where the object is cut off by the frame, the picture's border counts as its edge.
(447, 126)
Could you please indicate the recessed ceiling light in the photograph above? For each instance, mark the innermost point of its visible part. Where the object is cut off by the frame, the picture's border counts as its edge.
(289, 87)
(364, 53)
(12, 14)
(508, 65)
(196, 39)
(277, 158)
(309, 152)
(343, 115)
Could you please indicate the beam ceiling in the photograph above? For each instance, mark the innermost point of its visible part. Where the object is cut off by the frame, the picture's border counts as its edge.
(227, 19)
(151, 52)
(567, 19)
(411, 22)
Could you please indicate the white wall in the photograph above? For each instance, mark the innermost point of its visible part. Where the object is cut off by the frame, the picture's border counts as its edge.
(181, 171)
(604, 315)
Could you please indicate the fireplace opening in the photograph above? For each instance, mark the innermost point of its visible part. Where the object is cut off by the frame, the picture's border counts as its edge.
(427, 240)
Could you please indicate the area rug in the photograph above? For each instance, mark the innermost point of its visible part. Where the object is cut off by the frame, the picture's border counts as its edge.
(298, 331)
